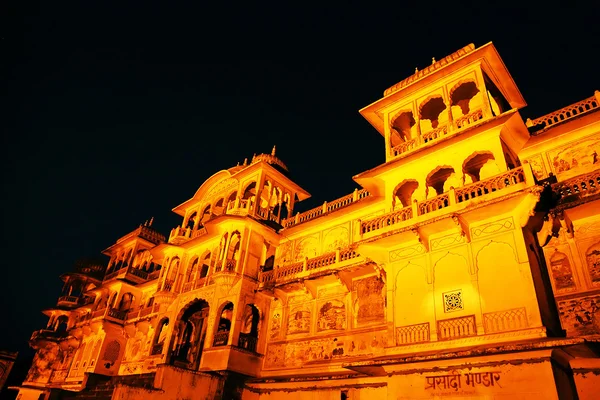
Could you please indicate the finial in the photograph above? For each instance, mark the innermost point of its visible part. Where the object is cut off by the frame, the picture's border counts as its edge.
(238, 164)
(433, 60)
(245, 162)
(416, 70)
(151, 221)
(273, 151)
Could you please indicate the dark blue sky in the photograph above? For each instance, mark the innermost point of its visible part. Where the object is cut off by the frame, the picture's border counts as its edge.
(114, 113)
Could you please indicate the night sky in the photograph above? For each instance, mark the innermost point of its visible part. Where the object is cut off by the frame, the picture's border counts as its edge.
(114, 113)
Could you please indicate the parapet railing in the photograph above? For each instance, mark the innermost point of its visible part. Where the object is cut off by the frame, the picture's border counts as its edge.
(452, 197)
(567, 112)
(327, 207)
(290, 271)
(582, 185)
(438, 133)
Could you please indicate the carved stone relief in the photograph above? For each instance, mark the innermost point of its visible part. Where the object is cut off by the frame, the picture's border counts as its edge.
(336, 238)
(307, 247)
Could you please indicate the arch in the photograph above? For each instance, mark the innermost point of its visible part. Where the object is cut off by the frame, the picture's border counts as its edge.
(248, 338)
(231, 198)
(592, 258)
(62, 323)
(249, 191)
(206, 215)
(219, 207)
(222, 246)
(404, 191)
(187, 341)
(127, 261)
(562, 273)
(234, 245)
(126, 302)
(472, 164)
(462, 93)
(265, 194)
(192, 270)
(438, 176)
(401, 125)
(431, 108)
(160, 337)
(191, 220)
(224, 322)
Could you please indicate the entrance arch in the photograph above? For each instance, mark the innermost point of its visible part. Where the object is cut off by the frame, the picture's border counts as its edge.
(189, 334)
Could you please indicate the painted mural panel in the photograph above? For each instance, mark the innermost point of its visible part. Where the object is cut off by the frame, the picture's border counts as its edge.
(580, 316)
(592, 259)
(331, 315)
(307, 247)
(297, 353)
(562, 272)
(299, 320)
(580, 155)
(336, 238)
(275, 325)
(368, 299)
(537, 167)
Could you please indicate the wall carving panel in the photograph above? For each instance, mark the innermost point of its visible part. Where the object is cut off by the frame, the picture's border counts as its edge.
(537, 166)
(336, 238)
(492, 228)
(407, 252)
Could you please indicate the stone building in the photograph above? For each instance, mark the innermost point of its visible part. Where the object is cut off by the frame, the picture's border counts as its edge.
(465, 266)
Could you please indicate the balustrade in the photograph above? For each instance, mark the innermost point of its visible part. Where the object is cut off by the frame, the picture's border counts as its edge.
(321, 261)
(167, 285)
(247, 342)
(405, 147)
(117, 314)
(469, 119)
(455, 328)
(68, 299)
(410, 334)
(565, 113)
(580, 185)
(490, 185)
(435, 134)
(157, 349)
(221, 338)
(386, 220)
(502, 321)
(327, 207)
(434, 204)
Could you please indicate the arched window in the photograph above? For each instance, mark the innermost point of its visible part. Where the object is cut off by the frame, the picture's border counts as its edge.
(222, 246)
(126, 302)
(473, 163)
(191, 221)
(160, 337)
(224, 325)
(403, 193)
(462, 94)
(234, 246)
(219, 207)
(431, 110)
(437, 178)
(250, 191)
(192, 271)
(401, 125)
(61, 324)
(188, 336)
(249, 333)
(206, 214)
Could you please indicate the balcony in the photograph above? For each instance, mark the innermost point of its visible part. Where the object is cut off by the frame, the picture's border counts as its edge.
(197, 284)
(302, 269)
(180, 235)
(434, 135)
(116, 315)
(454, 200)
(221, 338)
(247, 342)
(68, 301)
(326, 208)
(143, 312)
(129, 274)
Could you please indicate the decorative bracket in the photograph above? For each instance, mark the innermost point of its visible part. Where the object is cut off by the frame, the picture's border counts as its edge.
(420, 238)
(463, 229)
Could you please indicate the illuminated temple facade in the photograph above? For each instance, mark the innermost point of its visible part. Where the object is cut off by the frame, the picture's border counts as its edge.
(466, 266)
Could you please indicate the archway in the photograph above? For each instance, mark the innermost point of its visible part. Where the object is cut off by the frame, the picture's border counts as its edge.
(224, 325)
(249, 334)
(189, 335)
